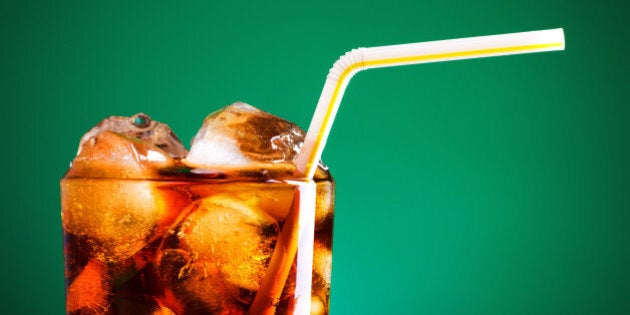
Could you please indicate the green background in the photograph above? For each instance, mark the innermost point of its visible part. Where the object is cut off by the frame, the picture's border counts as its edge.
(489, 186)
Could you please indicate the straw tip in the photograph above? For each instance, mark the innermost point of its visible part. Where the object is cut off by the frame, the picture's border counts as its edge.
(556, 35)
(560, 35)
(551, 39)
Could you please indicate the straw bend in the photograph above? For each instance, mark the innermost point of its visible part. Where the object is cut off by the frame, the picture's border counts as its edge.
(351, 61)
(336, 82)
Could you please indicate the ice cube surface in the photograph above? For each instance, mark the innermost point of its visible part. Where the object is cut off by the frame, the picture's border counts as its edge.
(218, 253)
(242, 135)
(322, 263)
(140, 126)
(117, 218)
(126, 147)
(89, 291)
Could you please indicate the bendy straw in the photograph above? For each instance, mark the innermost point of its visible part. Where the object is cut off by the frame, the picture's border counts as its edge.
(396, 55)
(298, 227)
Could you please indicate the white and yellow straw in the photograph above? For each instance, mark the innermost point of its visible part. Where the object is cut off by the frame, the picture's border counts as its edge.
(298, 227)
(396, 55)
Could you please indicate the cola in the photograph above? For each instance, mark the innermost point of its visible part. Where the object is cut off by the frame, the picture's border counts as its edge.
(150, 228)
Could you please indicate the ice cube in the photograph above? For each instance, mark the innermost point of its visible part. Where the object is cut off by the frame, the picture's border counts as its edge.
(325, 203)
(122, 147)
(117, 218)
(89, 291)
(317, 306)
(322, 263)
(240, 135)
(218, 254)
(193, 286)
(141, 127)
(163, 310)
(274, 198)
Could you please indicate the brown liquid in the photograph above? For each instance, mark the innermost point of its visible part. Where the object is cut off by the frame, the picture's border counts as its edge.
(184, 243)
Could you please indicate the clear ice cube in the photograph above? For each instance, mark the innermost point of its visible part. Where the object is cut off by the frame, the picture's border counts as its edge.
(242, 135)
(325, 203)
(126, 147)
(118, 217)
(322, 263)
(140, 126)
(218, 254)
(89, 291)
